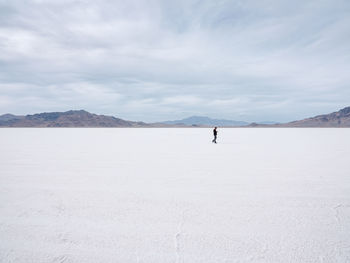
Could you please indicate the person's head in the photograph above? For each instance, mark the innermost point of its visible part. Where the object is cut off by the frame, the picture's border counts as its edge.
(215, 128)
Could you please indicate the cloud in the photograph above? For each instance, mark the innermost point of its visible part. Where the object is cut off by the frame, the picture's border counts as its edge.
(158, 59)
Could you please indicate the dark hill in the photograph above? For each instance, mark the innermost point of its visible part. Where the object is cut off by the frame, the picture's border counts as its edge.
(340, 118)
(71, 118)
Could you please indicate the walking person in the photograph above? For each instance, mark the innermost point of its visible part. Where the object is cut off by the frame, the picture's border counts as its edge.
(215, 131)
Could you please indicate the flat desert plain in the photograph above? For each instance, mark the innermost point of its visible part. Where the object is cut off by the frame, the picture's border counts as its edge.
(170, 195)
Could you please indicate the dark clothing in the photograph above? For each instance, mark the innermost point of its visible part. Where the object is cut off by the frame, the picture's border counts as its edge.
(215, 135)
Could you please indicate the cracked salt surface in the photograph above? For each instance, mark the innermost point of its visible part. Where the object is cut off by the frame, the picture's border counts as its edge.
(170, 195)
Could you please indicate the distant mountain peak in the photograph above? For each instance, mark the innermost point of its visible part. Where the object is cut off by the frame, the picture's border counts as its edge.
(205, 121)
(8, 117)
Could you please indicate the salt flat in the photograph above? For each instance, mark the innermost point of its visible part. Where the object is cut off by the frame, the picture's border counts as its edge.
(170, 195)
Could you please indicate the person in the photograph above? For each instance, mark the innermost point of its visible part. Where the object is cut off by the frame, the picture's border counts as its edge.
(215, 131)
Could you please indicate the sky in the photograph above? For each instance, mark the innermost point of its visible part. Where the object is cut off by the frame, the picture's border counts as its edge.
(156, 60)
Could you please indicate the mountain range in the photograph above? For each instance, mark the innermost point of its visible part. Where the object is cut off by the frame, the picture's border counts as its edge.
(206, 121)
(202, 120)
(79, 118)
(340, 118)
(82, 118)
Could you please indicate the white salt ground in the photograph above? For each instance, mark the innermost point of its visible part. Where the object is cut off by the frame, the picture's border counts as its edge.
(170, 195)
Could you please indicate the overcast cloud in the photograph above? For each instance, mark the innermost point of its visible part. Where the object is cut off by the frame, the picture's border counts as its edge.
(156, 60)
